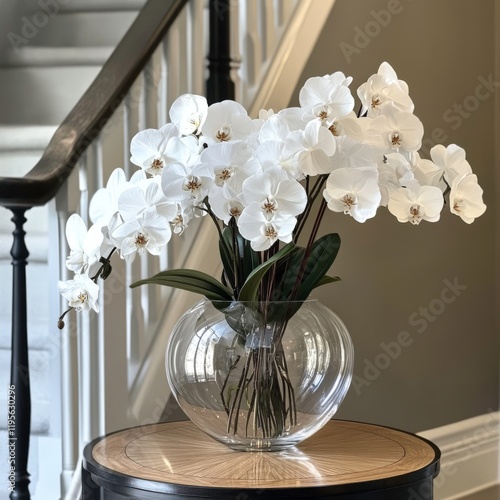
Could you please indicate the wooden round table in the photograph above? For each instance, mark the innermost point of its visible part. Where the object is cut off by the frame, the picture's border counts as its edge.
(344, 460)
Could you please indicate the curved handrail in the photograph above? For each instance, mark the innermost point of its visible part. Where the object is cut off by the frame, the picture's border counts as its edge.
(93, 110)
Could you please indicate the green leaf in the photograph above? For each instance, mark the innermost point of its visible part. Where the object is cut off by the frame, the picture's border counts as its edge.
(249, 290)
(323, 253)
(242, 261)
(190, 280)
(325, 280)
(287, 274)
(249, 257)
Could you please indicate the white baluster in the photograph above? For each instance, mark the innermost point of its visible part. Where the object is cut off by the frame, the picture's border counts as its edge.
(91, 376)
(269, 28)
(195, 51)
(137, 265)
(251, 45)
(112, 351)
(152, 75)
(84, 191)
(134, 120)
(68, 341)
(235, 51)
(172, 56)
(278, 13)
(183, 67)
(162, 87)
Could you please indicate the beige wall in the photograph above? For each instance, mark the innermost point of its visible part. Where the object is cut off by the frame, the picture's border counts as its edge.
(448, 370)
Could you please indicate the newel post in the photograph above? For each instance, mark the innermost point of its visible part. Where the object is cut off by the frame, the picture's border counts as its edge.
(19, 407)
(219, 83)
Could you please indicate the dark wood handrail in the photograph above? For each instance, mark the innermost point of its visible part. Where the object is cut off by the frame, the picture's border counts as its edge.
(93, 110)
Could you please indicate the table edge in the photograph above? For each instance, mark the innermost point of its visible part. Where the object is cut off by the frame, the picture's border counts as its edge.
(111, 477)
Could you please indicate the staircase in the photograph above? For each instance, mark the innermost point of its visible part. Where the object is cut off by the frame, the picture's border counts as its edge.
(54, 51)
(41, 78)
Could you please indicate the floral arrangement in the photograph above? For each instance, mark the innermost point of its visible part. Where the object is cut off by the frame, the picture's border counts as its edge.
(258, 179)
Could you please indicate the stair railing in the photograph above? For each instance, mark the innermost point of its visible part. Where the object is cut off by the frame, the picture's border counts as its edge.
(162, 56)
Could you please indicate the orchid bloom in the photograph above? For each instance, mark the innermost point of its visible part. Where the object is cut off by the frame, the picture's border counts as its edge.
(84, 245)
(451, 162)
(188, 113)
(416, 203)
(182, 183)
(326, 98)
(382, 89)
(313, 147)
(104, 203)
(353, 192)
(81, 293)
(226, 121)
(227, 163)
(262, 232)
(399, 131)
(149, 231)
(152, 149)
(276, 194)
(145, 196)
(466, 198)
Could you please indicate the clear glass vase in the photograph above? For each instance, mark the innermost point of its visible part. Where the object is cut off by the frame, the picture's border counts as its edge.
(259, 376)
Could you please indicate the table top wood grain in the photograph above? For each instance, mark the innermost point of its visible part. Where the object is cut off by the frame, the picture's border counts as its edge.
(341, 453)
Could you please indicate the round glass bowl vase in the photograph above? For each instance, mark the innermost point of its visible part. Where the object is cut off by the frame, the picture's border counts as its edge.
(260, 376)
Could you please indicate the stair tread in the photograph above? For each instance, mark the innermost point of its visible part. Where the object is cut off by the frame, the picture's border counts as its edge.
(92, 5)
(57, 56)
(25, 137)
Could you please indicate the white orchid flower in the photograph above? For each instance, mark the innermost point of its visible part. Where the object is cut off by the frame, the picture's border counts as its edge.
(416, 203)
(353, 192)
(353, 154)
(181, 219)
(326, 98)
(226, 121)
(272, 154)
(183, 183)
(227, 162)
(400, 131)
(261, 232)
(451, 161)
(225, 206)
(188, 113)
(145, 196)
(275, 129)
(84, 245)
(428, 173)
(313, 146)
(466, 198)
(104, 203)
(152, 149)
(81, 293)
(394, 173)
(384, 89)
(149, 231)
(275, 194)
(294, 118)
(401, 168)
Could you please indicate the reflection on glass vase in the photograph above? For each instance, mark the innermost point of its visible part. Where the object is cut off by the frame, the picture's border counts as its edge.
(259, 376)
